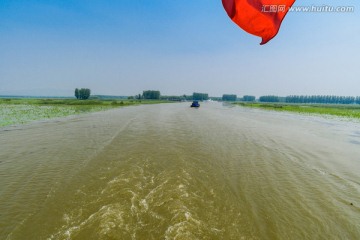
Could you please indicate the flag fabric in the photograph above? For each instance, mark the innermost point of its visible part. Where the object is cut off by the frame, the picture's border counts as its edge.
(259, 17)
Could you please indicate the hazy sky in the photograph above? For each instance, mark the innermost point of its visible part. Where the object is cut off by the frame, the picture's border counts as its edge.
(176, 46)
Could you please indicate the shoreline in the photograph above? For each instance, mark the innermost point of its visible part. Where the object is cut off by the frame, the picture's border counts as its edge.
(341, 110)
(19, 111)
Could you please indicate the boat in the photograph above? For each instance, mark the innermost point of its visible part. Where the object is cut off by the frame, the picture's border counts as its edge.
(195, 104)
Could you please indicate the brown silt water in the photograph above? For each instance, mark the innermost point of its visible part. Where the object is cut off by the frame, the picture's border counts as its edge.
(169, 171)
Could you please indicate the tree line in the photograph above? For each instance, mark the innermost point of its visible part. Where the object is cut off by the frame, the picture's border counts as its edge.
(200, 96)
(269, 98)
(248, 98)
(233, 98)
(83, 93)
(322, 99)
(229, 97)
(151, 94)
(325, 99)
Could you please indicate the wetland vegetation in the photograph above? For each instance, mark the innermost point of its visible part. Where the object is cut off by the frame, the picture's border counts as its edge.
(341, 110)
(24, 110)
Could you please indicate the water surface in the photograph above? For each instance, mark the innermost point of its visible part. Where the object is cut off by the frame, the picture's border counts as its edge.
(171, 172)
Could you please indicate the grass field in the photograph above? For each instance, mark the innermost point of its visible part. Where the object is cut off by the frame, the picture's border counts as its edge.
(24, 110)
(348, 111)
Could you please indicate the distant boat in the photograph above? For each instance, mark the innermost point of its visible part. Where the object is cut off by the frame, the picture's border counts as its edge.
(195, 104)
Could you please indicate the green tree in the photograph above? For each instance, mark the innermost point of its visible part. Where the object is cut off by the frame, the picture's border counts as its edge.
(357, 100)
(248, 98)
(321, 99)
(77, 93)
(83, 93)
(229, 97)
(269, 98)
(151, 94)
(200, 96)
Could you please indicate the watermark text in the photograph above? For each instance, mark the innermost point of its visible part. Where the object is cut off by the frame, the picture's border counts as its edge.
(309, 9)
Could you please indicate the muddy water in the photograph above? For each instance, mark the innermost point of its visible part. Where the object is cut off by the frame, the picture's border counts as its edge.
(171, 172)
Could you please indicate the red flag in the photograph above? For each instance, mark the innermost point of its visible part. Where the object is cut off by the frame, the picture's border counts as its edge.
(258, 17)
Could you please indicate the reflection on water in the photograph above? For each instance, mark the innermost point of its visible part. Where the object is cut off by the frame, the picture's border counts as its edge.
(171, 172)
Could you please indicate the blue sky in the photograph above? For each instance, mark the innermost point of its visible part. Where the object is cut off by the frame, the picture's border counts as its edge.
(176, 46)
